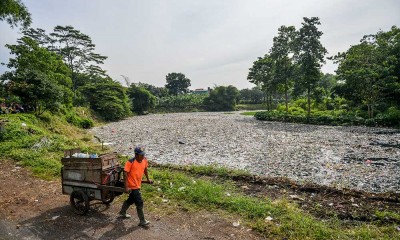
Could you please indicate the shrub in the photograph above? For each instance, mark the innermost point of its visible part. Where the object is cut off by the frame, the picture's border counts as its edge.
(222, 99)
(108, 99)
(141, 99)
(391, 118)
(78, 121)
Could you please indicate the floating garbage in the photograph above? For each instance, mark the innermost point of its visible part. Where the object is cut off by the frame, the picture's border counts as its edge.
(325, 155)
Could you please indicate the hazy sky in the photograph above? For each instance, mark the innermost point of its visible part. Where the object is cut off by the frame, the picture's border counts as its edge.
(213, 42)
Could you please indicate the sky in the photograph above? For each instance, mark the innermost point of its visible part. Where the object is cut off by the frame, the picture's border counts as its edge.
(212, 42)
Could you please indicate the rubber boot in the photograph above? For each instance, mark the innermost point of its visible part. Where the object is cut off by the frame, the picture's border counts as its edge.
(143, 221)
(124, 208)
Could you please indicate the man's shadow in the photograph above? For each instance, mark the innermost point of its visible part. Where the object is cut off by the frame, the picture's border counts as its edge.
(63, 223)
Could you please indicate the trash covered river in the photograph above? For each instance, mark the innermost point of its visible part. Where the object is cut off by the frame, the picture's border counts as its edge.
(359, 158)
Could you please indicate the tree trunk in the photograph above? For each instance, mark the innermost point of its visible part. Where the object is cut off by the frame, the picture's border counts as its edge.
(309, 103)
(369, 110)
(270, 100)
(372, 110)
(286, 100)
(267, 99)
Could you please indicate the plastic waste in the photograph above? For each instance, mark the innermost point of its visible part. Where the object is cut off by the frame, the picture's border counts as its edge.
(80, 155)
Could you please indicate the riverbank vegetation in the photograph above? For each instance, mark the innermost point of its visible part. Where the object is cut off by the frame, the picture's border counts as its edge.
(364, 91)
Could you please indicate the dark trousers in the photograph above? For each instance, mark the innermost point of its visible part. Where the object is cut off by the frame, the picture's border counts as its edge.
(135, 198)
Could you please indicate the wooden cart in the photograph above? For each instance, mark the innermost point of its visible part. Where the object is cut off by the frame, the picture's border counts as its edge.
(90, 178)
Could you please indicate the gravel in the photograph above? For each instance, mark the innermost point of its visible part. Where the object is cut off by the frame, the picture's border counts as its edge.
(359, 158)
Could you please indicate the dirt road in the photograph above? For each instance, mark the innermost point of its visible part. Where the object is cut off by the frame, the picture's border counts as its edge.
(31, 208)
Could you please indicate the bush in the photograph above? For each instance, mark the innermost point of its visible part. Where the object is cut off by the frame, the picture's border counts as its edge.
(222, 99)
(141, 99)
(108, 99)
(75, 120)
(182, 102)
(390, 118)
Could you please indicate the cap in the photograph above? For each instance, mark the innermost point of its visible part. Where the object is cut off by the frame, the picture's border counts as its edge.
(140, 150)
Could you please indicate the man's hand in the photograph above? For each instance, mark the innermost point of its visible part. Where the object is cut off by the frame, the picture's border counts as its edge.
(127, 190)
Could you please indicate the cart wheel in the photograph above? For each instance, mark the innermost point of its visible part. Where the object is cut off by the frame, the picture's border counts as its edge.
(79, 202)
(109, 198)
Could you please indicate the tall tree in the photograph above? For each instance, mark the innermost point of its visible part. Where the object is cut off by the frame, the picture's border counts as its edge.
(369, 69)
(388, 44)
(281, 54)
(14, 12)
(177, 83)
(309, 55)
(262, 74)
(77, 50)
(39, 77)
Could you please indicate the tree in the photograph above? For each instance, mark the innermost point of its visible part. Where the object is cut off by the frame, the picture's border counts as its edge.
(40, 78)
(108, 98)
(262, 74)
(156, 91)
(14, 12)
(222, 99)
(254, 95)
(141, 99)
(75, 48)
(283, 68)
(368, 69)
(388, 44)
(177, 83)
(309, 55)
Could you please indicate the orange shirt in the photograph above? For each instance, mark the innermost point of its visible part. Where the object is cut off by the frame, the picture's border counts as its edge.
(134, 171)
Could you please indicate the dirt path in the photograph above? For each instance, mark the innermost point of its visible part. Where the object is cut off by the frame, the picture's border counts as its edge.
(31, 208)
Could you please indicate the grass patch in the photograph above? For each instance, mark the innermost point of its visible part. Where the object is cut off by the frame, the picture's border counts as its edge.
(207, 170)
(250, 107)
(191, 192)
(38, 142)
(248, 113)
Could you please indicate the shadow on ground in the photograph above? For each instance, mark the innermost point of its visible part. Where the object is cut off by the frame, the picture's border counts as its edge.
(63, 223)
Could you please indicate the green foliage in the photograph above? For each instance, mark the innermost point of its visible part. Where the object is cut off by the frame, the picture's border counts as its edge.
(177, 83)
(262, 74)
(156, 91)
(391, 118)
(40, 78)
(250, 107)
(108, 99)
(141, 100)
(22, 132)
(248, 113)
(14, 12)
(222, 99)
(309, 56)
(254, 95)
(83, 122)
(284, 67)
(368, 70)
(182, 102)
